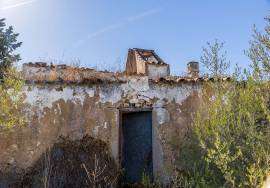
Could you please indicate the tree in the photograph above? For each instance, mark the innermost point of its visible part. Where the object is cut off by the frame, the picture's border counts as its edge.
(259, 52)
(230, 136)
(10, 81)
(8, 44)
(214, 59)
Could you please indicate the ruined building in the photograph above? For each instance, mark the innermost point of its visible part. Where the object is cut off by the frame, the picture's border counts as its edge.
(136, 115)
(146, 62)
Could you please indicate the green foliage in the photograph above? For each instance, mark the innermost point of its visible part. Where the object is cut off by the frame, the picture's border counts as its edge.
(147, 183)
(8, 43)
(259, 52)
(235, 138)
(229, 142)
(214, 59)
(10, 82)
(11, 103)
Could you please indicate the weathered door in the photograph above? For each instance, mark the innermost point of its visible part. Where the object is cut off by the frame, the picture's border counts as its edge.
(137, 146)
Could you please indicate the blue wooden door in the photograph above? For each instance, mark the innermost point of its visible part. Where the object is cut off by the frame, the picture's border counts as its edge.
(137, 146)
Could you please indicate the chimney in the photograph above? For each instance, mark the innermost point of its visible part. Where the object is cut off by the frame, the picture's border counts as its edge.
(193, 69)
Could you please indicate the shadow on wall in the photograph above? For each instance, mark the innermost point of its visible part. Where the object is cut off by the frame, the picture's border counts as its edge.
(77, 164)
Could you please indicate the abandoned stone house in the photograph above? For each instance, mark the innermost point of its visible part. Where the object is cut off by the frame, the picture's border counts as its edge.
(136, 113)
(141, 61)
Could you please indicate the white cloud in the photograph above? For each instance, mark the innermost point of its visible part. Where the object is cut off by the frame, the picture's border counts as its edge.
(19, 4)
(143, 15)
(118, 25)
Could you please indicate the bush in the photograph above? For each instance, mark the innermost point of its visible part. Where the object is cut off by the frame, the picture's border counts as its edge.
(230, 139)
(229, 142)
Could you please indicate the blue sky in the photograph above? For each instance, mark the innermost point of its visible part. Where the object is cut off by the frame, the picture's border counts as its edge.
(99, 32)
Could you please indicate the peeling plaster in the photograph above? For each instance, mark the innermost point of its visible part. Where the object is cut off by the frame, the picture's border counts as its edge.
(178, 94)
(79, 109)
(110, 94)
(133, 89)
(44, 97)
(163, 116)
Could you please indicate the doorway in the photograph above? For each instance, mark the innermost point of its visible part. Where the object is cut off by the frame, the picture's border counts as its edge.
(136, 147)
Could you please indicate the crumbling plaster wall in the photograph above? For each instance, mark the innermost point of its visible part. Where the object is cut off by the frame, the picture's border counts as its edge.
(75, 110)
(140, 64)
(155, 71)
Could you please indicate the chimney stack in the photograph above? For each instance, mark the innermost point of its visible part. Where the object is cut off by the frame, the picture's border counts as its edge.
(193, 69)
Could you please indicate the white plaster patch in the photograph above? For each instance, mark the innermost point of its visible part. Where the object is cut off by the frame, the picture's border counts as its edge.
(136, 88)
(95, 131)
(157, 71)
(141, 89)
(38, 144)
(136, 85)
(159, 104)
(59, 109)
(163, 115)
(43, 97)
(111, 94)
(105, 125)
(90, 92)
(179, 94)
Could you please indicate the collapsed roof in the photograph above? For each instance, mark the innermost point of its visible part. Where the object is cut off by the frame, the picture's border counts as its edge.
(149, 56)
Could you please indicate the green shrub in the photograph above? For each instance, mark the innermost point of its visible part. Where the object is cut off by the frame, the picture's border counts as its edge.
(11, 103)
(229, 142)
